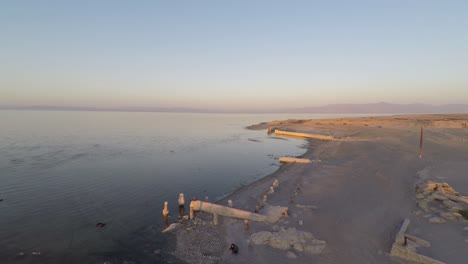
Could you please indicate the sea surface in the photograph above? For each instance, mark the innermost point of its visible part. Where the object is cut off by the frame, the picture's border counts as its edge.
(62, 172)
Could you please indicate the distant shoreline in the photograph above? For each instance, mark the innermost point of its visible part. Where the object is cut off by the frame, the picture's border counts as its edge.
(374, 108)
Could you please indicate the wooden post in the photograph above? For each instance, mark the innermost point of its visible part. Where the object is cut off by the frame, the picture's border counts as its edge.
(421, 143)
(181, 205)
(165, 213)
(191, 212)
(275, 183)
(215, 219)
(246, 224)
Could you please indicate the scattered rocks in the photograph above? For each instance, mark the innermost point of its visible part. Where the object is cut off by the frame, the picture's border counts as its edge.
(290, 239)
(436, 220)
(431, 195)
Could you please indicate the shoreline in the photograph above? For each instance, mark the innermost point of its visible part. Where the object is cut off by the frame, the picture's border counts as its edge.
(327, 198)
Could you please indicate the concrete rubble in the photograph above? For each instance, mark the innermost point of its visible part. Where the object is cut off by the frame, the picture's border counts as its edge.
(290, 239)
(405, 246)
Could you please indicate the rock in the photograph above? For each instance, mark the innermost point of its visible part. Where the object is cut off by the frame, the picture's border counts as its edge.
(278, 241)
(423, 205)
(157, 251)
(429, 198)
(465, 228)
(439, 196)
(427, 215)
(420, 196)
(315, 249)
(301, 222)
(291, 255)
(261, 238)
(457, 215)
(449, 203)
(171, 227)
(298, 247)
(448, 216)
(318, 242)
(427, 193)
(436, 220)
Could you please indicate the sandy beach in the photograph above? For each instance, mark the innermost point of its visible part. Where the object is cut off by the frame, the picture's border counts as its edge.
(348, 205)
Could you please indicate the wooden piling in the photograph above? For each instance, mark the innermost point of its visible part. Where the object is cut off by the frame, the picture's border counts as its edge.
(421, 143)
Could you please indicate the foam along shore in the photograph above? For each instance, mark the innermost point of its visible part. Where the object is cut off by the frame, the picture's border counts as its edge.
(349, 207)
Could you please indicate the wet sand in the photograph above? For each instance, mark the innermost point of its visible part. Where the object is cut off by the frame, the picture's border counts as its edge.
(355, 199)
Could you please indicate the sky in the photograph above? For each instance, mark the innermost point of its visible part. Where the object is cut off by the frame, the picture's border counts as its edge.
(232, 54)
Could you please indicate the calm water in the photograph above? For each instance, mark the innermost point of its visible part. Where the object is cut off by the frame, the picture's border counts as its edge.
(63, 172)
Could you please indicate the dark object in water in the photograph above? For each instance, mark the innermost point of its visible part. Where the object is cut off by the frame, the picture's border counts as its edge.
(1, 200)
(234, 249)
(100, 224)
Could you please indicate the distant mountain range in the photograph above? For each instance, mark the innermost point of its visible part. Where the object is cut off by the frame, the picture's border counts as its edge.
(375, 108)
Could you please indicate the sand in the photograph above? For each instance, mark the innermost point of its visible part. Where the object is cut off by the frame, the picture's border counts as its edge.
(355, 199)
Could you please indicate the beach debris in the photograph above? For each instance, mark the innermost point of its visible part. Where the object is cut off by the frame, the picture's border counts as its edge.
(253, 140)
(206, 198)
(301, 222)
(36, 253)
(402, 249)
(272, 213)
(264, 198)
(230, 203)
(20, 254)
(257, 209)
(234, 249)
(171, 227)
(290, 239)
(101, 225)
(294, 160)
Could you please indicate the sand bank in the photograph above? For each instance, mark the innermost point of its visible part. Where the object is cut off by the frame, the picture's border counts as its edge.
(349, 207)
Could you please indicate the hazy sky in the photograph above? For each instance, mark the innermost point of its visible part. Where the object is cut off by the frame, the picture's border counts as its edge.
(232, 54)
